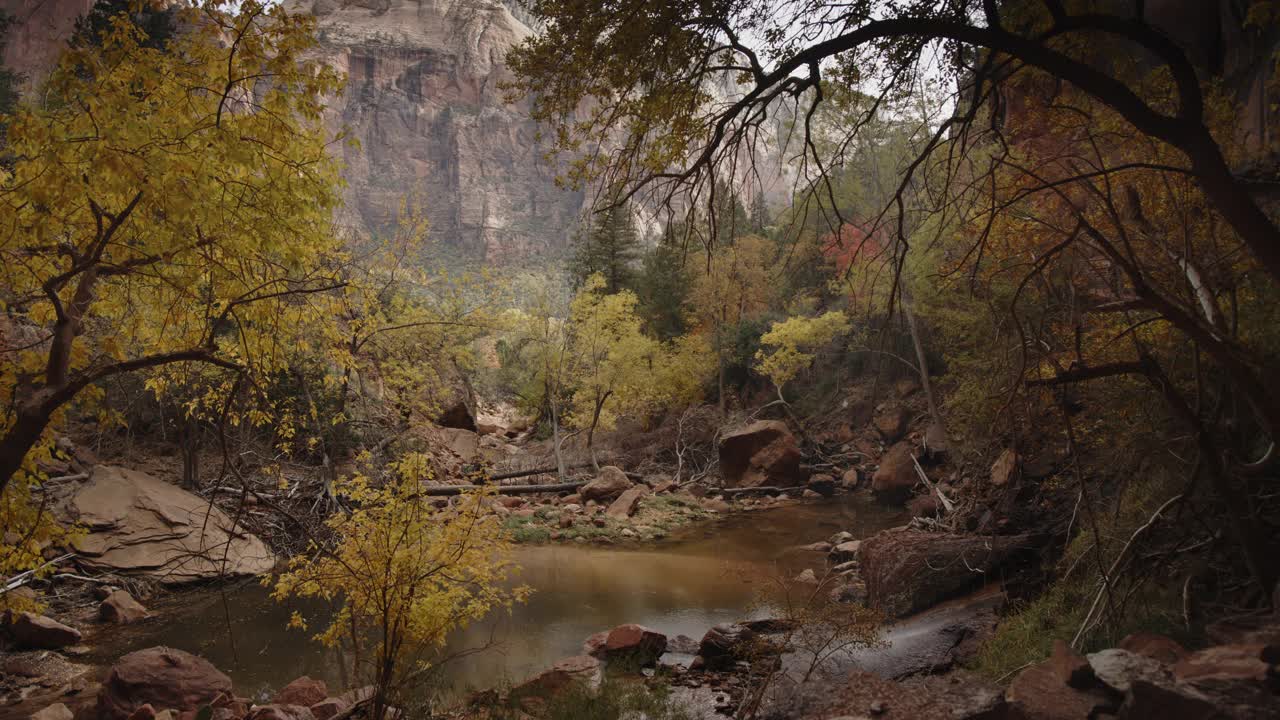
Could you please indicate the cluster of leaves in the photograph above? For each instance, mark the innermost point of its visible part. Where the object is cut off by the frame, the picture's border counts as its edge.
(403, 575)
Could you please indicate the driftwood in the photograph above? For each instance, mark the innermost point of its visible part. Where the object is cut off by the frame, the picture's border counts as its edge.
(535, 471)
(23, 578)
(444, 490)
(761, 489)
(946, 502)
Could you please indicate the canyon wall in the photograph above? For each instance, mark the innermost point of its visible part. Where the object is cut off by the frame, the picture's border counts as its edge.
(424, 103)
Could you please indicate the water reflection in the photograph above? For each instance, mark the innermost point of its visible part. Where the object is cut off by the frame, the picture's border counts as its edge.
(700, 577)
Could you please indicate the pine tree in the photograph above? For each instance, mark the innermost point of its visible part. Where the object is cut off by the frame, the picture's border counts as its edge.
(663, 286)
(760, 219)
(611, 247)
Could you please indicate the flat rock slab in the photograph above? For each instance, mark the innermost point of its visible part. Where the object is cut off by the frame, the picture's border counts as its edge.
(141, 525)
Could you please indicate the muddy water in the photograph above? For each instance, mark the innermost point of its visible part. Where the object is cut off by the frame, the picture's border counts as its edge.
(707, 574)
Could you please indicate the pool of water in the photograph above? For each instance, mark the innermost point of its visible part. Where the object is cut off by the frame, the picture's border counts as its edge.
(703, 575)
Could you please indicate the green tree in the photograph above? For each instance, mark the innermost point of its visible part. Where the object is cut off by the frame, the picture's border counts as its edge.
(664, 287)
(609, 247)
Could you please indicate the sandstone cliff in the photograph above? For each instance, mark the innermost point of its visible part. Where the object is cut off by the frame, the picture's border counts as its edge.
(423, 101)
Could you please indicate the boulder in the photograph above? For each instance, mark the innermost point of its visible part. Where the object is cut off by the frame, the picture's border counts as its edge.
(1005, 468)
(1059, 688)
(38, 632)
(807, 577)
(894, 480)
(630, 643)
(665, 486)
(138, 524)
(120, 608)
(762, 453)
(845, 552)
(924, 506)
(625, 505)
(162, 677)
(1243, 681)
(851, 479)
(892, 422)
(56, 711)
(281, 712)
(329, 707)
(609, 484)
(1119, 669)
(578, 669)
(461, 442)
(715, 505)
(907, 571)
(1156, 647)
(852, 590)
(824, 485)
(303, 691)
(724, 645)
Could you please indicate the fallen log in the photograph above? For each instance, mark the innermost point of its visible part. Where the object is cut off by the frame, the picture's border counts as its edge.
(445, 490)
(536, 471)
(762, 489)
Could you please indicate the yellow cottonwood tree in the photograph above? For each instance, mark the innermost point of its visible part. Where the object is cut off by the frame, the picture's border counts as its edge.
(404, 575)
(164, 205)
(792, 341)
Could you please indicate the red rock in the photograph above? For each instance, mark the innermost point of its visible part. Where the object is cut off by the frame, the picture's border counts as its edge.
(1224, 664)
(120, 608)
(892, 423)
(824, 485)
(609, 484)
(896, 476)
(632, 643)
(850, 479)
(56, 711)
(1156, 647)
(39, 632)
(1044, 691)
(146, 712)
(303, 691)
(566, 521)
(665, 486)
(581, 668)
(924, 506)
(762, 453)
(161, 677)
(724, 645)
(625, 505)
(329, 707)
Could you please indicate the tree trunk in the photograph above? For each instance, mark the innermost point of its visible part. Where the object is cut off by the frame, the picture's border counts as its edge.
(923, 365)
(23, 435)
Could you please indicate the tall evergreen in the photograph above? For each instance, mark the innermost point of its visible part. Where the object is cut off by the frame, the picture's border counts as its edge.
(611, 247)
(760, 219)
(664, 286)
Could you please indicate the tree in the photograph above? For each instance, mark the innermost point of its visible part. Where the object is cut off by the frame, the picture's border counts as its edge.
(733, 287)
(404, 575)
(154, 21)
(165, 206)
(610, 247)
(761, 220)
(792, 342)
(646, 71)
(664, 287)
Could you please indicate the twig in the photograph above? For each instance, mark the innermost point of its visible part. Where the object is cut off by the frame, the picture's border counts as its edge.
(946, 502)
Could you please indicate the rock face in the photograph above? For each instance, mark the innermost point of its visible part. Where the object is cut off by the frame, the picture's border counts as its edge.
(424, 102)
(910, 570)
(163, 678)
(43, 27)
(762, 453)
(142, 525)
(37, 631)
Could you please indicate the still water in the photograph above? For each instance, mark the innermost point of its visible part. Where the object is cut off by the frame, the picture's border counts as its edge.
(703, 575)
